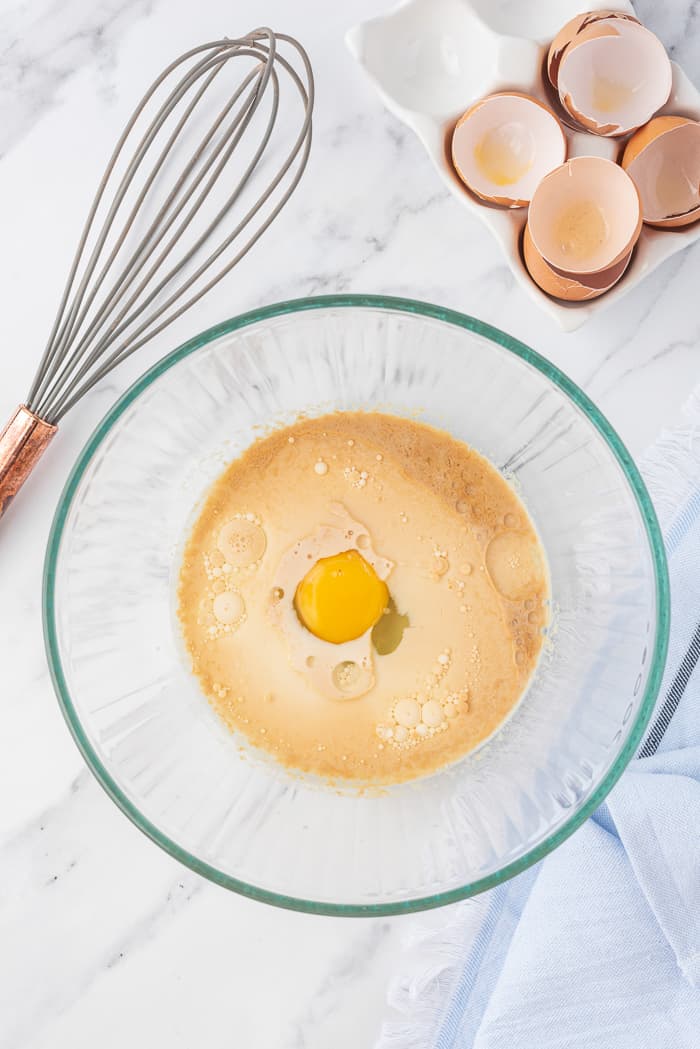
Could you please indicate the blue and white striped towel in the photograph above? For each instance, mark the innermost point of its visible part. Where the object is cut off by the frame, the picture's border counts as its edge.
(598, 946)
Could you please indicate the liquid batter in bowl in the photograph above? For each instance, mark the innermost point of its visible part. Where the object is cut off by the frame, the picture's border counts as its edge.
(363, 596)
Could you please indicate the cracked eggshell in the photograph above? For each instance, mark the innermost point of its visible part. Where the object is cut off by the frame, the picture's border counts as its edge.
(585, 216)
(587, 23)
(441, 89)
(613, 76)
(513, 126)
(663, 160)
(564, 286)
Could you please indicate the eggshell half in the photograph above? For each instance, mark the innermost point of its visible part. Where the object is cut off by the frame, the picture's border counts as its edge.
(563, 286)
(585, 216)
(614, 76)
(507, 123)
(663, 159)
(588, 21)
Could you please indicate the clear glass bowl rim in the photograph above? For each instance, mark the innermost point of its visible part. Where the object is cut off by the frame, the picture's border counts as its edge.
(507, 342)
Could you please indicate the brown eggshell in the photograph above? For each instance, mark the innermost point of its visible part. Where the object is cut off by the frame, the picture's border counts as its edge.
(550, 145)
(587, 123)
(647, 134)
(505, 202)
(675, 140)
(567, 287)
(586, 181)
(576, 26)
(611, 53)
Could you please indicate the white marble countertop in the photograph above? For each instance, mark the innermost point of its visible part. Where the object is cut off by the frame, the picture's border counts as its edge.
(105, 940)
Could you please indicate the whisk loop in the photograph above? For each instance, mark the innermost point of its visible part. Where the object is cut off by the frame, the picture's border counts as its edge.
(164, 229)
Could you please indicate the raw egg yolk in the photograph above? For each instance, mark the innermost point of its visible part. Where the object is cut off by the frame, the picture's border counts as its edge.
(341, 597)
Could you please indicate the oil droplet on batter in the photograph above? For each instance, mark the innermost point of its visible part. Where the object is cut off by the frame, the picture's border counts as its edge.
(511, 521)
(242, 542)
(228, 607)
(407, 713)
(466, 568)
(346, 675)
(513, 564)
(321, 468)
(387, 632)
(461, 506)
(431, 713)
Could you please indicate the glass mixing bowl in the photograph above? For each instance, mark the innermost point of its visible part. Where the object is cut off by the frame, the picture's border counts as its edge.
(237, 818)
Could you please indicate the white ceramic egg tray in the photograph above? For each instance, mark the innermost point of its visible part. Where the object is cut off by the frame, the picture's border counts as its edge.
(430, 59)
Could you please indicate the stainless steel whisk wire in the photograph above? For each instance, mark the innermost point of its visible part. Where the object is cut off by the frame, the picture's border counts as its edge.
(82, 349)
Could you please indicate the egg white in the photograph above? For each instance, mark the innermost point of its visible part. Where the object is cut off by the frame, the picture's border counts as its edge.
(336, 671)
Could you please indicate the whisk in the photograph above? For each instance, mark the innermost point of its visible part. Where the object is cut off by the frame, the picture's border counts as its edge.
(205, 179)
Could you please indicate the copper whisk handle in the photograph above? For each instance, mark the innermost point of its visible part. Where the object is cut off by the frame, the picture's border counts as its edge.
(22, 443)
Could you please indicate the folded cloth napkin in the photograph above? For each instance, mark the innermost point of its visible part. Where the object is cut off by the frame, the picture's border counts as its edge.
(597, 946)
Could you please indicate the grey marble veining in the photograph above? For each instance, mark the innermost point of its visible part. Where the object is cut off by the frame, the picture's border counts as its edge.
(44, 42)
